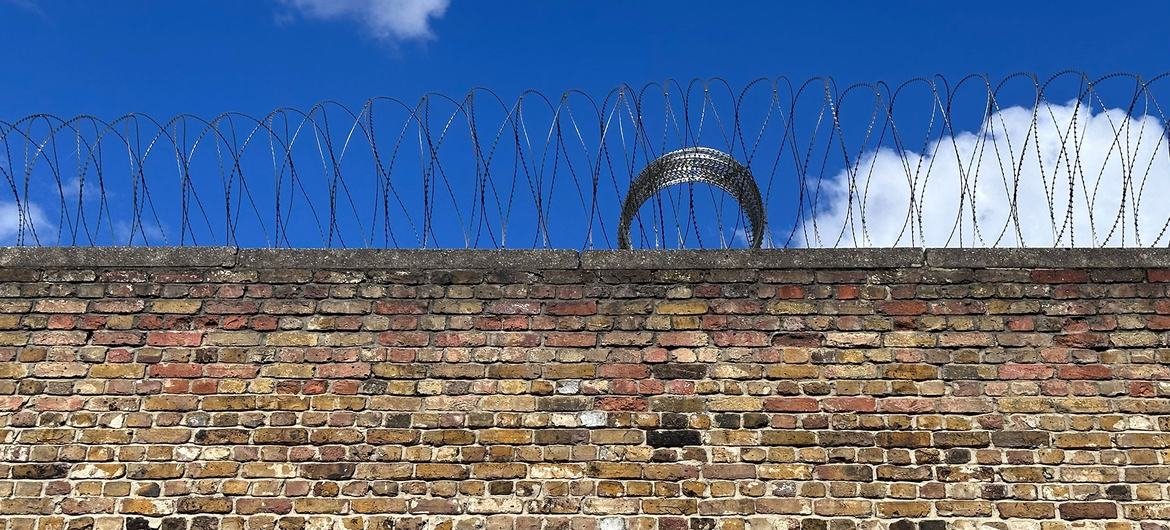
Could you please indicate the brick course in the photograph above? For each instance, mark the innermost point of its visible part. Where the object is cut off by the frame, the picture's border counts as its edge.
(634, 394)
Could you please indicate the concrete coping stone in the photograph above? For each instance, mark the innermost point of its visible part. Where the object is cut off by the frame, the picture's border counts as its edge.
(93, 257)
(407, 259)
(786, 258)
(1055, 258)
(813, 258)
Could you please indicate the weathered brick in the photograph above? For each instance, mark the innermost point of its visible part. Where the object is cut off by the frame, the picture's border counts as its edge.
(154, 471)
(39, 471)
(151, 507)
(902, 307)
(682, 307)
(578, 308)
(441, 471)
(498, 470)
(903, 439)
(1060, 276)
(610, 470)
(847, 472)
(204, 505)
(185, 307)
(281, 436)
(1075, 511)
(679, 371)
(1026, 371)
(915, 509)
(328, 471)
(62, 370)
(676, 339)
(1028, 439)
(913, 398)
(673, 438)
(1026, 510)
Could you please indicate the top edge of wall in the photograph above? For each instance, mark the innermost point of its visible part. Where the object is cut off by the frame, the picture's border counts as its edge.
(862, 258)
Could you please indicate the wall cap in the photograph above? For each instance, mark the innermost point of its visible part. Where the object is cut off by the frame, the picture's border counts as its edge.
(787, 258)
(407, 259)
(90, 257)
(356, 259)
(1098, 258)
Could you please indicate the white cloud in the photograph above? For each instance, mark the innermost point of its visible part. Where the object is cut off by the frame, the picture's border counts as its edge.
(385, 19)
(1099, 171)
(28, 216)
(17, 221)
(27, 5)
(143, 233)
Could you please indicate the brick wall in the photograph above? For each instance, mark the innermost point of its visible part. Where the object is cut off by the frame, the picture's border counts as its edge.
(821, 390)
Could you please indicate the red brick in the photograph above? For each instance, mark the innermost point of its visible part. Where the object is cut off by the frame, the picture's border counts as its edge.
(850, 404)
(344, 370)
(404, 338)
(1020, 324)
(615, 403)
(174, 338)
(847, 292)
(791, 404)
(241, 371)
(740, 338)
(1060, 276)
(570, 340)
(175, 370)
(798, 339)
(1085, 372)
(1082, 340)
(585, 307)
(1158, 322)
(1158, 275)
(117, 338)
(623, 371)
(459, 339)
(1025, 371)
(789, 291)
(682, 338)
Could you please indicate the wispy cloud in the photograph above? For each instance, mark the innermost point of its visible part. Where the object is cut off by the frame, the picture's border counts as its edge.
(1084, 179)
(18, 223)
(21, 221)
(390, 20)
(27, 5)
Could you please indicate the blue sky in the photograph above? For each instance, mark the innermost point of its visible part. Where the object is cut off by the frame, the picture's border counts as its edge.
(112, 57)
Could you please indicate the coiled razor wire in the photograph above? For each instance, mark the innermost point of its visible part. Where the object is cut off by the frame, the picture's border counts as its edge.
(1020, 161)
(696, 164)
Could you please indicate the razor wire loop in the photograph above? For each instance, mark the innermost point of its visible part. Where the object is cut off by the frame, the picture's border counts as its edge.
(692, 165)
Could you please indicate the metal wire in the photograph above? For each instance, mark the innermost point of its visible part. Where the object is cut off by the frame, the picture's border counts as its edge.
(1067, 160)
(690, 165)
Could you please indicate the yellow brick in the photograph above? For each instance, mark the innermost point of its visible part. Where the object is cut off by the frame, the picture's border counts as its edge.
(185, 307)
(287, 371)
(682, 307)
(13, 370)
(290, 338)
(154, 507)
(117, 371)
(736, 403)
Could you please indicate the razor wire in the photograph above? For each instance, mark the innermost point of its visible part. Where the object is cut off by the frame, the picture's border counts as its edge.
(1021, 161)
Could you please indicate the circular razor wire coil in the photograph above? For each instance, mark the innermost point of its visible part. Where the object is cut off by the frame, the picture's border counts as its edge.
(691, 165)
